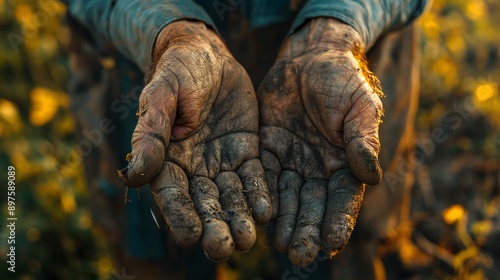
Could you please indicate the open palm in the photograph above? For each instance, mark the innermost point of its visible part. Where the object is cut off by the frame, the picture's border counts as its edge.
(196, 143)
(319, 138)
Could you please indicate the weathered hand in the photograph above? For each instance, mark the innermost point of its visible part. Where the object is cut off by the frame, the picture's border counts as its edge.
(196, 142)
(320, 112)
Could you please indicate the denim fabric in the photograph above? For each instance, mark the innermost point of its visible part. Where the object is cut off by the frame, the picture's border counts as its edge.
(132, 25)
(370, 18)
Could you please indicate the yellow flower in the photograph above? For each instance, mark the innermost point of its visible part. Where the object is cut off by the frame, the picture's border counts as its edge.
(475, 9)
(453, 213)
(9, 117)
(44, 105)
(485, 91)
(68, 203)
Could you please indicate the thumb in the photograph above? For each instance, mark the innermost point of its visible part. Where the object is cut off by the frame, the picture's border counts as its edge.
(156, 115)
(361, 138)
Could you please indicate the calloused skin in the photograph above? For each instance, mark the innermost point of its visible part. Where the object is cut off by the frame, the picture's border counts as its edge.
(196, 142)
(320, 110)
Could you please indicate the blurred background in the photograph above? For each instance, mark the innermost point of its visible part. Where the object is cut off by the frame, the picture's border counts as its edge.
(454, 228)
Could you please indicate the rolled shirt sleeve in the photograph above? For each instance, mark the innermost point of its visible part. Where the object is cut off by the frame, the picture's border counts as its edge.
(369, 18)
(133, 25)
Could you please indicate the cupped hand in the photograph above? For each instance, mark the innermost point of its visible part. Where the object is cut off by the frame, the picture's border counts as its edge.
(196, 142)
(320, 111)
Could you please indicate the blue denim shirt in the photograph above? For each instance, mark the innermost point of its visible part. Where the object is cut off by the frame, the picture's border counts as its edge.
(132, 25)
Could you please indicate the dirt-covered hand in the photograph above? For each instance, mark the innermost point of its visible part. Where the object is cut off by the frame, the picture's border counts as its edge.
(196, 142)
(320, 110)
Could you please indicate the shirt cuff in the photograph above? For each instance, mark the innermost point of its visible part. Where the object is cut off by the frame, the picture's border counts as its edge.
(133, 25)
(370, 19)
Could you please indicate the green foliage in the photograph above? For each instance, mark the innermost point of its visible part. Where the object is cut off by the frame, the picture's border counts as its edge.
(54, 235)
(460, 99)
(461, 58)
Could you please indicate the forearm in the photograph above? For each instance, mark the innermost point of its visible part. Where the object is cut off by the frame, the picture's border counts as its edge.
(132, 26)
(370, 19)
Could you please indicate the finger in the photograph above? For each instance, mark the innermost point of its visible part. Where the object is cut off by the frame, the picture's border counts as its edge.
(284, 226)
(238, 215)
(361, 138)
(272, 169)
(256, 191)
(306, 241)
(216, 240)
(345, 195)
(170, 191)
(157, 109)
(237, 147)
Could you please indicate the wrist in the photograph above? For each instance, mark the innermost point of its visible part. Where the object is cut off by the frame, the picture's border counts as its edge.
(324, 33)
(188, 32)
